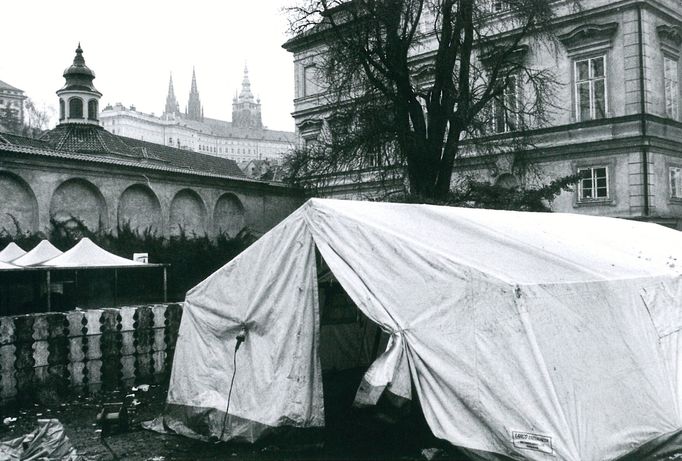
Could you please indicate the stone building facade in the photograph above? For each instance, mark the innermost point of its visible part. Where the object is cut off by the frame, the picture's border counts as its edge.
(79, 170)
(12, 99)
(618, 124)
(243, 139)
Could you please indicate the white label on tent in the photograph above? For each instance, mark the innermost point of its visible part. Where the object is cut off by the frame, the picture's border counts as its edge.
(141, 257)
(530, 441)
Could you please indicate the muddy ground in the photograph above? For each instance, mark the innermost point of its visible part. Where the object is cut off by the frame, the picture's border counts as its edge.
(350, 434)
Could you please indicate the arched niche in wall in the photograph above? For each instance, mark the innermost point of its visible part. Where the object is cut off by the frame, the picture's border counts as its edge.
(228, 216)
(188, 214)
(79, 200)
(140, 209)
(19, 209)
(507, 181)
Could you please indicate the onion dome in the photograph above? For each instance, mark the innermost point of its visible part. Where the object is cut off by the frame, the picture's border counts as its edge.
(78, 98)
(79, 76)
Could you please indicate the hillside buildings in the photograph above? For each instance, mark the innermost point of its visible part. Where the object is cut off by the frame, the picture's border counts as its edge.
(242, 140)
(79, 171)
(618, 120)
(11, 102)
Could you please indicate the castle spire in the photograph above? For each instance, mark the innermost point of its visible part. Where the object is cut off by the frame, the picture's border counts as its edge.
(246, 111)
(246, 95)
(172, 106)
(194, 81)
(194, 110)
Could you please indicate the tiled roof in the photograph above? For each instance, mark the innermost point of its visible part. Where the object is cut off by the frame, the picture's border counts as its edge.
(86, 138)
(7, 138)
(94, 144)
(7, 86)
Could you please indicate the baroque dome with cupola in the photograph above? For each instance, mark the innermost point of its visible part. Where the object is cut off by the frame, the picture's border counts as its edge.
(78, 98)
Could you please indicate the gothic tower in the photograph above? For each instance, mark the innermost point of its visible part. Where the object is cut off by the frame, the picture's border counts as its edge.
(245, 108)
(194, 110)
(172, 106)
(78, 98)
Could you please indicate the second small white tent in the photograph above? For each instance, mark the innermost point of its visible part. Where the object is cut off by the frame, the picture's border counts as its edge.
(42, 252)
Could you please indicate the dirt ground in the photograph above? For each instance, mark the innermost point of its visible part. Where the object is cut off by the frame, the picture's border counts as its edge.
(347, 436)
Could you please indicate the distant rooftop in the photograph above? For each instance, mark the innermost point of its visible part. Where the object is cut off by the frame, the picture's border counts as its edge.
(7, 86)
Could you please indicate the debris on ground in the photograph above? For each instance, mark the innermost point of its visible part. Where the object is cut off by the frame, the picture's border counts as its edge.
(429, 454)
(47, 441)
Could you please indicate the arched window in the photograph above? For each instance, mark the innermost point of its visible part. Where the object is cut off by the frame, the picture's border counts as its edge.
(92, 109)
(61, 109)
(75, 108)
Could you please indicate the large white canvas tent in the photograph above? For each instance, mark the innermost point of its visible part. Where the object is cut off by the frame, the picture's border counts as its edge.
(534, 336)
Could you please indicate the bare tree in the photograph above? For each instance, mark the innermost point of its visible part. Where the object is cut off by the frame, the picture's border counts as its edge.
(409, 83)
(9, 120)
(36, 120)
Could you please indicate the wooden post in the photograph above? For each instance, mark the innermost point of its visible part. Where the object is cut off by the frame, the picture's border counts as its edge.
(49, 293)
(165, 284)
(115, 287)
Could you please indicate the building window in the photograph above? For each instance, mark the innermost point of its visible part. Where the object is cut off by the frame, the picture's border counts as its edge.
(676, 182)
(61, 109)
(92, 109)
(505, 108)
(310, 83)
(75, 108)
(672, 87)
(497, 6)
(590, 88)
(594, 183)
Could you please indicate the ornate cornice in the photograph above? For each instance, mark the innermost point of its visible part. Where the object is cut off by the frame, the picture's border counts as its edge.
(670, 38)
(310, 128)
(589, 36)
(493, 54)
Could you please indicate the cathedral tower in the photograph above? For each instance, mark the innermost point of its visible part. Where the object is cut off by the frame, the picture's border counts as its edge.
(78, 98)
(172, 106)
(245, 108)
(194, 110)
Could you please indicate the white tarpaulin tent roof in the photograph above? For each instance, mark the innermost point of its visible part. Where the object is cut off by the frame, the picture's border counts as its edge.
(42, 252)
(86, 254)
(7, 266)
(10, 252)
(523, 334)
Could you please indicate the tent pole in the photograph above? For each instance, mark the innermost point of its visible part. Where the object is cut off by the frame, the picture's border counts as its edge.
(49, 293)
(76, 287)
(115, 287)
(165, 284)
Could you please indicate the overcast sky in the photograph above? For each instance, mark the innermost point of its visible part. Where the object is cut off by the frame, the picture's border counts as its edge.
(133, 46)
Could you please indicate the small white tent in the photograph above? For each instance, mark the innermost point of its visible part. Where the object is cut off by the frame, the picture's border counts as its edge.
(8, 266)
(42, 252)
(10, 252)
(86, 254)
(534, 336)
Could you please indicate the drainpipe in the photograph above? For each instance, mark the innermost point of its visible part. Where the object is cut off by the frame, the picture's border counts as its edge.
(642, 113)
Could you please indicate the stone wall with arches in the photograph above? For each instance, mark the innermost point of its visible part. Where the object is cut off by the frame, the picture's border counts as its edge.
(19, 205)
(106, 198)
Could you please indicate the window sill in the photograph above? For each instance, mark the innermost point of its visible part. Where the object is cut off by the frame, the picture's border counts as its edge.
(595, 202)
